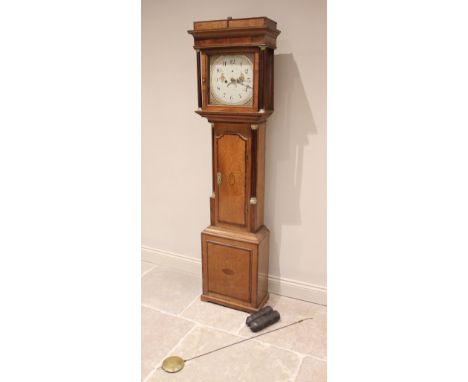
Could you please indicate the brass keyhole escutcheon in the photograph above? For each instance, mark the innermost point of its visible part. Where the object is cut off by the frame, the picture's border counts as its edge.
(232, 179)
(219, 178)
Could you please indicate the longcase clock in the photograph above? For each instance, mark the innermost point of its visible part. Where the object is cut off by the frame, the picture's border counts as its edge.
(235, 93)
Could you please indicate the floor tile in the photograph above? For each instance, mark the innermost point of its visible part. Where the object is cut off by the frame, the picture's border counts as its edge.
(290, 310)
(312, 370)
(159, 334)
(247, 362)
(308, 337)
(145, 267)
(169, 290)
(202, 340)
(215, 315)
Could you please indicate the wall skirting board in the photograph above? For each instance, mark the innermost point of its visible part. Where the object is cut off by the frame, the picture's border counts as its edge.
(276, 285)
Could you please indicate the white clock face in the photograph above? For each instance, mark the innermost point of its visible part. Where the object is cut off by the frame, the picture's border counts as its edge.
(231, 80)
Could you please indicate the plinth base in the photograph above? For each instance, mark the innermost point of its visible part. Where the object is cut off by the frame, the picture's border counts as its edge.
(233, 304)
(235, 268)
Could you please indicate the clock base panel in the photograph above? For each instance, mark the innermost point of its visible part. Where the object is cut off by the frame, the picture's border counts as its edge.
(235, 268)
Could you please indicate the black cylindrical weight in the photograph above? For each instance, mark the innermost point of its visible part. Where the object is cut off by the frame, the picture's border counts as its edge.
(264, 321)
(260, 313)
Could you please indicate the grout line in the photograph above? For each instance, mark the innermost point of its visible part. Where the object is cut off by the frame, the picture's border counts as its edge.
(188, 306)
(300, 355)
(242, 327)
(193, 321)
(174, 268)
(232, 334)
(162, 311)
(156, 367)
(296, 373)
(149, 262)
(316, 357)
(279, 347)
(197, 275)
(154, 266)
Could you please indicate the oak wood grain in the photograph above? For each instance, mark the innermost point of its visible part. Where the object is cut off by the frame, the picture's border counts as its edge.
(229, 269)
(235, 32)
(235, 268)
(235, 247)
(231, 162)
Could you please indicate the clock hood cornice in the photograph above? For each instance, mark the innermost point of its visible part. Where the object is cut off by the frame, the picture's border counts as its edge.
(255, 31)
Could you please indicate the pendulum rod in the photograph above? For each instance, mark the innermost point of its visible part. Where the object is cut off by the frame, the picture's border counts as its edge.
(244, 340)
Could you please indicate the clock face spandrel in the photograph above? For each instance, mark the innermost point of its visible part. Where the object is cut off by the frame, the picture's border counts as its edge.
(231, 80)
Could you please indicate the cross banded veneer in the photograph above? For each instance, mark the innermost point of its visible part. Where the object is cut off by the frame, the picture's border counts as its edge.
(235, 64)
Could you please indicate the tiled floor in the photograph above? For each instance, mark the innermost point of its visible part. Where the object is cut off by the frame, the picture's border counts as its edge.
(176, 322)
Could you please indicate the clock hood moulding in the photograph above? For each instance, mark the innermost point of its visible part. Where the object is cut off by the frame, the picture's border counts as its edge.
(254, 117)
(254, 31)
(253, 40)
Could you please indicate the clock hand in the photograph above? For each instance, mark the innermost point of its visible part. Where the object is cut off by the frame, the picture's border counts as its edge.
(233, 81)
(240, 80)
(247, 86)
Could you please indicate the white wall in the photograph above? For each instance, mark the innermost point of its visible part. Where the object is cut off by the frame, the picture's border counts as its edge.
(176, 161)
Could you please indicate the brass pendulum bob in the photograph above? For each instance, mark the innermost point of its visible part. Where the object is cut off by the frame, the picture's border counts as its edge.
(173, 364)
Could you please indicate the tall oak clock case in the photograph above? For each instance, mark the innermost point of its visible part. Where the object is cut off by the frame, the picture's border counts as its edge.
(235, 93)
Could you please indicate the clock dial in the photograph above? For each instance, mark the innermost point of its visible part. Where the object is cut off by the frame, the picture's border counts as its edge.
(231, 80)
